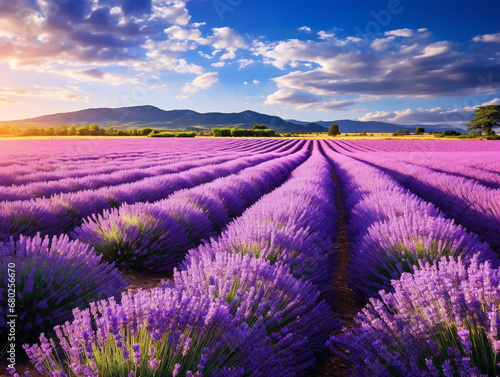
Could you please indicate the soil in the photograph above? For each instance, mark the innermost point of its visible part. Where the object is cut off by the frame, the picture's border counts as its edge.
(346, 308)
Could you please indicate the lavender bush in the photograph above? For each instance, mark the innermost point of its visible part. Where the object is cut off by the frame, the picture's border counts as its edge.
(53, 276)
(157, 332)
(258, 292)
(442, 320)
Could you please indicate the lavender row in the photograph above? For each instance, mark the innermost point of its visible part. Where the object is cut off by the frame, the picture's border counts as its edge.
(294, 224)
(37, 169)
(88, 180)
(156, 236)
(20, 152)
(390, 229)
(471, 204)
(227, 314)
(275, 261)
(63, 212)
(483, 167)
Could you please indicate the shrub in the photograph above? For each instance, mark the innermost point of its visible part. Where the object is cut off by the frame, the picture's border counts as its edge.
(258, 292)
(145, 131)
(450, 133)
(139, 236)
(440, 320)
(162, 134)
(52, 276)
(394, 246)
(157, 332)
(185, 134)
(216, 132)
(225, 132)
(419, 131)
(238, 132)
(259, 127)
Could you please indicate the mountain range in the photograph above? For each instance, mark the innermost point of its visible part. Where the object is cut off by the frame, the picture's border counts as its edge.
(153, 117)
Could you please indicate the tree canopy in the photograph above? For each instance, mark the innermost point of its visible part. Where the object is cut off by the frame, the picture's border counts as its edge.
(334, 130)
(485, 119)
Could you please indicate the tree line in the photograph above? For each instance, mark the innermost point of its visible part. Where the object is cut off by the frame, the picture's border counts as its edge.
(73, 130)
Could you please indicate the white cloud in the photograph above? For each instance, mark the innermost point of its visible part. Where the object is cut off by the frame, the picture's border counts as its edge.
(305, 28)
(242, 63)
(218, 64)
(177, 32)
(377, 116)
(288, 96)
(228, 55)
(495, 101)
(487, 38)
(434, 49)
(324, 35)
(255, 81)
(402, 32)
(225, 38)
(204, 81)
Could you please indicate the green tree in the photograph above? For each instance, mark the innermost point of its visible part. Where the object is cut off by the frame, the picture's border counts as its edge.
(62, 130)
(72, 130)
(419, 131)
(485, 119)
(258, 127)
(49, 131)
(334, 130)
(110, 131)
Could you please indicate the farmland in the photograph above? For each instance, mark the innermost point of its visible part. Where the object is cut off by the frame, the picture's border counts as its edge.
(250, 257)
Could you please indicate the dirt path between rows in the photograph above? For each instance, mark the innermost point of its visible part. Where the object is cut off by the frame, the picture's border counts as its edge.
(345, 307)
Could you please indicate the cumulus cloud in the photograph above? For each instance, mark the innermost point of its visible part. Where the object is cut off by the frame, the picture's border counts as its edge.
(423, 116)
(305, 28)
(289, 96)
(487, 38)
(149, 35)
(204, 81)
(418, 67)
(401, 32)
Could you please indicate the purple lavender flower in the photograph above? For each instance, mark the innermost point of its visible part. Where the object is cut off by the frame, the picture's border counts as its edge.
(454, 338)
(53, 276)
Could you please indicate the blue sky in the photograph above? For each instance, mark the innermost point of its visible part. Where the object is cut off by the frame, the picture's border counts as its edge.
(401, 61)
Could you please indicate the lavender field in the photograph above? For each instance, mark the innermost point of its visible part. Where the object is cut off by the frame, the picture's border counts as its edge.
(241, 257)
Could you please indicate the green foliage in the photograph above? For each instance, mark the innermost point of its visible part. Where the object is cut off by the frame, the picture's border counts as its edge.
(145, 131)
(450, 133)
(485, 119)
(419, 131)
(162, 134)
(72, 130)
(185, 134)
(334, 130)
(259, 127)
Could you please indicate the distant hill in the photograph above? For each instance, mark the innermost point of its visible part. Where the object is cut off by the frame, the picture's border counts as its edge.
(150, 116)
(352, 126)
